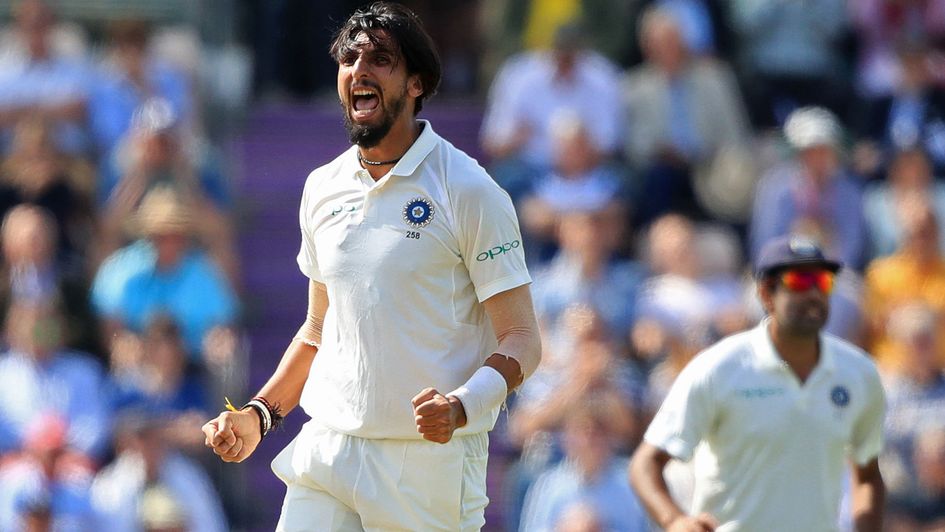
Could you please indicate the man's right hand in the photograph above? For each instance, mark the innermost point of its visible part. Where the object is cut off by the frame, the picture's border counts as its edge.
(233, 436)
(687, 523)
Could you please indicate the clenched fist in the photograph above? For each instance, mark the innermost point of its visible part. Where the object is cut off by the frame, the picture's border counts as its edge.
(437, 415)
(233, 436)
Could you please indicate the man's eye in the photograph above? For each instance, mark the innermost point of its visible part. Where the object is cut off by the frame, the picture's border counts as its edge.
(382, 60)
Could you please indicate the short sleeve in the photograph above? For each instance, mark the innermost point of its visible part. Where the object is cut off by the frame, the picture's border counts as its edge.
(489, 238)
(307, 257)
(686, 414)
(867, 439)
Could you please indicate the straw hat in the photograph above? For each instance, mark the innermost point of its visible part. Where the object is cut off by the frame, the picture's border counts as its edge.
(161, 212)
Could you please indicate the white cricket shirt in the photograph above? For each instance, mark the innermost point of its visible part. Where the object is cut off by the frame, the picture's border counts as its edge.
(774, 451)
(407, 261)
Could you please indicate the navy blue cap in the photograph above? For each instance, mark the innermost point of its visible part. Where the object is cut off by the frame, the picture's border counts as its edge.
(792, 250)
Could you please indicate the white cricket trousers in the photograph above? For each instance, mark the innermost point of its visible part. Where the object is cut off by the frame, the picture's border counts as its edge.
(337, 482)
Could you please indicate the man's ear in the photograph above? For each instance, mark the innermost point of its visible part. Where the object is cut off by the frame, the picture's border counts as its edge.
(765, 289)
(414, 86)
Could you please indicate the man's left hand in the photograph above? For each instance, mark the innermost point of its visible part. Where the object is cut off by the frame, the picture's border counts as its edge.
(437, 415)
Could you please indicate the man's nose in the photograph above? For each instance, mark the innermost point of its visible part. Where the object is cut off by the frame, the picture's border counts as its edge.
(360, 67)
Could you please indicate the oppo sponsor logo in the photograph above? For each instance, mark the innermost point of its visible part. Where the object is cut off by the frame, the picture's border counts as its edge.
(498, 251)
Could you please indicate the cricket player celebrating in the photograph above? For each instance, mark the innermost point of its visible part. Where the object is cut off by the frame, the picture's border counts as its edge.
(419, 322)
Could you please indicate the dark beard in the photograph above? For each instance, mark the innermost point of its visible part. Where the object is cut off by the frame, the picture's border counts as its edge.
(370, 136)
(801, 323)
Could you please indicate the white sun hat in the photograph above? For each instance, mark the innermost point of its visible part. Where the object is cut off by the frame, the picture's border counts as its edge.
(812, 126)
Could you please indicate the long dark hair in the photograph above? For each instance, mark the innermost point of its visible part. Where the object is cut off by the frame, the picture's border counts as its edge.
(404, 32)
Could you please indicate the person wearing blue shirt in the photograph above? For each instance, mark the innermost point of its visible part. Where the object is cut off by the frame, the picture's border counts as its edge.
(813, 195)
(181, 280)
(591, 474)
(38, 377)
(127, 80)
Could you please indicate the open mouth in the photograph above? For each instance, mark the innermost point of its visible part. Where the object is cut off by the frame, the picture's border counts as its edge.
(364, 102)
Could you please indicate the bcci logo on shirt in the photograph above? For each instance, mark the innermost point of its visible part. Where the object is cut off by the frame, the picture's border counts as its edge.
(840, 396)
(418, 212)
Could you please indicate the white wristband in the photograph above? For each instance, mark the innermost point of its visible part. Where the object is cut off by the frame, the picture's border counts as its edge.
(483, 392)
(264, 414)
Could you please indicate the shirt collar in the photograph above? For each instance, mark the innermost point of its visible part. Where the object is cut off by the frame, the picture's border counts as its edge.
(767, 356)
(410, 160)
(418, 151)
(762, 348)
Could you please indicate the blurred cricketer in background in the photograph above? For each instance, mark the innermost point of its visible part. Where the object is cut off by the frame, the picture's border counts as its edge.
(420, 319)
(771, 415)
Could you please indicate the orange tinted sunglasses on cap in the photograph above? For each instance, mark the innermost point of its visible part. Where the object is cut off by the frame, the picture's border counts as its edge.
(803, 280)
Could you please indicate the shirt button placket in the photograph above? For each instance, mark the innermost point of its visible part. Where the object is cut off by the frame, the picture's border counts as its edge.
(364, 179)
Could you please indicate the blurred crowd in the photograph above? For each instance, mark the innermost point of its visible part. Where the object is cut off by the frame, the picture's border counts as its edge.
(119, 282)
(650, 146)
(646, 191)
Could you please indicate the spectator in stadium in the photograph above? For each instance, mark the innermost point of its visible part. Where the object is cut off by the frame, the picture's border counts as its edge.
(158, 151)
(683, 301)
(924, 508)
(30, 271)
(916, 393)
(160, 511)
(915, 273)
(121, 493)
(35, 79)
(153, 369)
(533, 87)
(36, 172)
(909, 174)
(911, 117)
(594, 368)
(679, 345)
(591, 473)
(166, 275)
(591, 367)
(46, 482)
(812, 193)
(881, 26)
(130, 76)
(586, 271)
(772, 465)
(579, 181)
(38, 376)
(578, 517)
(695, 24)
(791, 56)
(682, 113)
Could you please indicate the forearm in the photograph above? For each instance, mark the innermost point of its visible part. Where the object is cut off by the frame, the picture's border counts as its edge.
(869, 495)
(646, 476)
(516, 356)
(284, 388)
(519, 342)
(868, 501)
